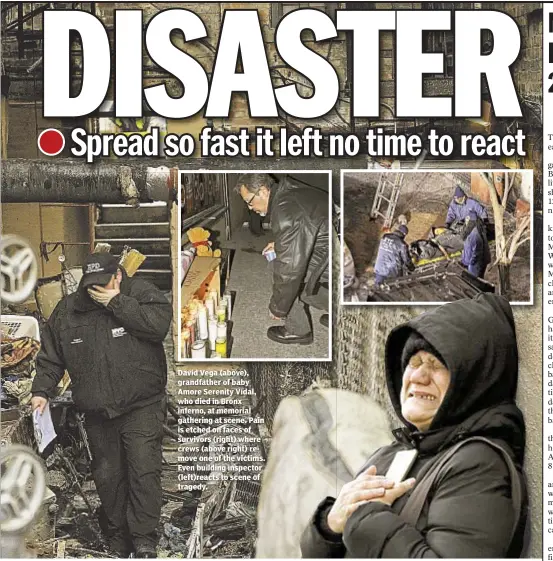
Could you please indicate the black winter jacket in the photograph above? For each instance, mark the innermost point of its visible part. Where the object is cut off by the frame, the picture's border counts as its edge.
(469, 512)
(114, 355)
(299, 222)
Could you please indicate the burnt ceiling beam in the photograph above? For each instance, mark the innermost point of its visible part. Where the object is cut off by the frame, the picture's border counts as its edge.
(70, 181)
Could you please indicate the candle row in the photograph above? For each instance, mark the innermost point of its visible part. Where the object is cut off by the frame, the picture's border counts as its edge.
(204, 326)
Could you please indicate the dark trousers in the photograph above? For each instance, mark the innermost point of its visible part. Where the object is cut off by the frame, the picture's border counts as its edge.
(298, 320)
(126, 468)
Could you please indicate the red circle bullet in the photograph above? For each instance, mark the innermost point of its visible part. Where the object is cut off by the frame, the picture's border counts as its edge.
(51, 142)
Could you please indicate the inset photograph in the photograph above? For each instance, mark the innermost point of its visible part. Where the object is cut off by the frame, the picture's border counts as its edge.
(254, 267)
(428, 237)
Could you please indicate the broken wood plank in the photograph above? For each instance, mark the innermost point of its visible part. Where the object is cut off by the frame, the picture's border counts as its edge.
(98, 554)
(59, 549)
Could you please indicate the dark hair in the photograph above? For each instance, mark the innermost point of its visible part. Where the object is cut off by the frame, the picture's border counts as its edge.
(253, 182)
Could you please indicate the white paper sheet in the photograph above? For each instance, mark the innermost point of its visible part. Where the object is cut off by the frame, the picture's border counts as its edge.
(44, 428)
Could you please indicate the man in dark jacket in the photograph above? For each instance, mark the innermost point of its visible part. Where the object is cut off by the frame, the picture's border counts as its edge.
(452, 374)
(109, 337)
(299, 220)
(393, 259)
(476, 250)
(460, 207)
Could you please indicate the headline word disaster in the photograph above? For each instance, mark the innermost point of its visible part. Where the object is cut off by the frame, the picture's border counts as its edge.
(241, 44)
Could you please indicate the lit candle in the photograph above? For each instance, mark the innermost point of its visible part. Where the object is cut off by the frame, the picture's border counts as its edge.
(212, 328)
(210, 305)
(198, 349)
(214, 296)
(221, 329)
(202, 322)
(221, 347)
(227, 298)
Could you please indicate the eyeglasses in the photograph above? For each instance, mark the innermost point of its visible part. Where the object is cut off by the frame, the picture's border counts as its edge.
(249, 203)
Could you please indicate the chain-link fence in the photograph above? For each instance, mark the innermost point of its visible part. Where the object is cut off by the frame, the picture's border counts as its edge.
(274, 381)
(359, 349)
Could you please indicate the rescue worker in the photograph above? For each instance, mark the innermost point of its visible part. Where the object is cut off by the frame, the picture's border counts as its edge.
(109, 336)
(460, 207)
(452, 375)
(298, 214)
(393, 259)
(476, 250)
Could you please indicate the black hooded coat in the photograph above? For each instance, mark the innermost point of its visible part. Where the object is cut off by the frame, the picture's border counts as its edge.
(114, 355)
(469, 512)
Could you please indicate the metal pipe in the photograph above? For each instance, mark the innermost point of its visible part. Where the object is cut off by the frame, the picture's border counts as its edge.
(65, 205)
(71, 181)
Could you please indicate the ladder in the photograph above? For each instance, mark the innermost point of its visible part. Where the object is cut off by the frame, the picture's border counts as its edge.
(387, 194)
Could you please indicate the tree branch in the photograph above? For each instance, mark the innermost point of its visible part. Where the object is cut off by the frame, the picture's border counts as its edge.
(520, 231)
(498, 213)
(507, 189)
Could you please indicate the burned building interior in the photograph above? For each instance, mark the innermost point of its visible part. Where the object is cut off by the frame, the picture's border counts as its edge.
(63, 208)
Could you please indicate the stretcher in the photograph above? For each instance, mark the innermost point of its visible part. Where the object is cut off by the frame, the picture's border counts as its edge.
(450, 256)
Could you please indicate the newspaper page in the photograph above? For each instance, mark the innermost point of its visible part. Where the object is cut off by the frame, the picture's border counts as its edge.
(272, 280)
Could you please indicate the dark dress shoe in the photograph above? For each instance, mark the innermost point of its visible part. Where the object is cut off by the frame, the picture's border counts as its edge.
(279, 334)
(324, 320)
(120, 546)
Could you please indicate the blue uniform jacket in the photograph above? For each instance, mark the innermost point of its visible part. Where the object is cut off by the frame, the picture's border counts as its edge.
(393, 257)
(476, 254)
(460, 212)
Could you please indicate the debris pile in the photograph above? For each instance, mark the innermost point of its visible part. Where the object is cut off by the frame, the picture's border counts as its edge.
(219, 521)
(18, 367)
(230, 534)
(442, 282)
